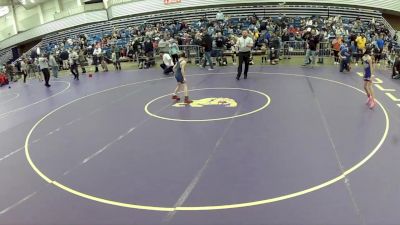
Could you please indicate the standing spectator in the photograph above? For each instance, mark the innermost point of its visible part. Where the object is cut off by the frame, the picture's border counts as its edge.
(24, 68)
(73, 61)
(115, 56)
(274, 46)
(148, 46)
(53, 65)
(96, 58)
(137, 47)
(207, 46)
(64, 57)
(312, 42)
(173, 50)
(82, 59)
(380, 43)
(361, 42)
(396, 68)
(285, 40)
(44, 67)
(220, 43)
(149, 49)
(336, 43)
(9, 71)
(163, 46)
(244, 43)
(344, 56)
(185, 42)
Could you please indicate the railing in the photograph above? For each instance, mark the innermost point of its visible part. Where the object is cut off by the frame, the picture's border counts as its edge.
(191, 51)
(6, 57)
(31, 49)
(390, 28)
(298, 48)
(293, 48)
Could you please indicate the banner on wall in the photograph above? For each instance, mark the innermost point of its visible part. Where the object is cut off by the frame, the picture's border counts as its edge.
(166, 2)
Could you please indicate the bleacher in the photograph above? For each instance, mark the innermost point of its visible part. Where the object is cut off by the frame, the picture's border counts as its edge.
(96, 31)
(5, 56)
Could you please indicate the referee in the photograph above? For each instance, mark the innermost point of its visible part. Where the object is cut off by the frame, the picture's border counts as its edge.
(244, 44)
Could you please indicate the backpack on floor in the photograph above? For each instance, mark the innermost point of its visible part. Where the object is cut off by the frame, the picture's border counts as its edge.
(3, 79)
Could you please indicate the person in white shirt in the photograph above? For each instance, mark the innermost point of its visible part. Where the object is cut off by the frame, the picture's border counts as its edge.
(44, 67)
(167, 64)
(244, 43)
(24, 68)
(73, 61)
(96, 58)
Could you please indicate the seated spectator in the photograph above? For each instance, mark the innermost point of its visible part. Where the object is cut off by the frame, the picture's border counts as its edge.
(167, 64)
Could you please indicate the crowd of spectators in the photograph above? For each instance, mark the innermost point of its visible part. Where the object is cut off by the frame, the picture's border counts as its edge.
(217, 38)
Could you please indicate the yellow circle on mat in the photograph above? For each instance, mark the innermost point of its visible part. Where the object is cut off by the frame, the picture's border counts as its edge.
(211, 207)
(146, 108)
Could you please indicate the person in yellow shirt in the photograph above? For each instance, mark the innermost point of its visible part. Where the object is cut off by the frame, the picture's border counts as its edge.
(361, 41)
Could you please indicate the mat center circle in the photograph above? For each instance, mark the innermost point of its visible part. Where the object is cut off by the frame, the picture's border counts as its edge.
(220, 103)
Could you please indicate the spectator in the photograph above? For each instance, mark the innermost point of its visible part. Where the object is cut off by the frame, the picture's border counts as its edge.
(44, 67)
(380, 43)
(220, 44)
(361, 42)
(73, 61)
(285, 41)
(53, 65)
(207, 43)
(311, 45)
(396, 68)
(187, 40)
(9, 71)
(24, 68)
(97, 57)
(344, 55)
(163, 46)
(82, 59)
(64, 57)
(167, 64)
(115, 58)
(336, 43)
(274, 49)
(149, 50)
(173, 50)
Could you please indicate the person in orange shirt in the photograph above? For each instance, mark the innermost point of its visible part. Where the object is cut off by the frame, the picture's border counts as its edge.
(336, 43)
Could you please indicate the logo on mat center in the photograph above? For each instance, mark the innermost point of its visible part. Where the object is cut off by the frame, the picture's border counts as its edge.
(226, 102)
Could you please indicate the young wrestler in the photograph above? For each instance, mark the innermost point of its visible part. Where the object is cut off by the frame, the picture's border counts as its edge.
(368, 70)
(180, 76)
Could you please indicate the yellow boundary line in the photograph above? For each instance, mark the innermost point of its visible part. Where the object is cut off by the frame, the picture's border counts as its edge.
(213, 207)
